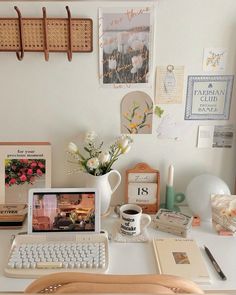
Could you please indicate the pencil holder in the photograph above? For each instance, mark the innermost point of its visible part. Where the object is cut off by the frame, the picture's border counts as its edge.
(172, 198)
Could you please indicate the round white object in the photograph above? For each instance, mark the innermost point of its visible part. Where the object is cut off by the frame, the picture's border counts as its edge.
(199, 191)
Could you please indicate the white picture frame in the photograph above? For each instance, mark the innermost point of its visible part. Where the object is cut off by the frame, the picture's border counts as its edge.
(209, 97)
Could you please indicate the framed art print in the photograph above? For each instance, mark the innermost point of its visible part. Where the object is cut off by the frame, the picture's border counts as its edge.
(209, 97)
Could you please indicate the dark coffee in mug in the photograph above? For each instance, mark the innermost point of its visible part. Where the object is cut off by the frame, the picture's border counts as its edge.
(131, 218)
(130, 211)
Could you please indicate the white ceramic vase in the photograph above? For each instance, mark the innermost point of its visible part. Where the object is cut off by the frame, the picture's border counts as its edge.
(102, 184)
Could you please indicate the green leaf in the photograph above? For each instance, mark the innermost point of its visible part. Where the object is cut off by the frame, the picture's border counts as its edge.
(158, 111)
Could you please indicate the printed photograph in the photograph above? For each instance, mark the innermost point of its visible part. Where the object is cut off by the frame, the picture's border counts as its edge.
(63, 212)
(22, 175)
(125, 45)
(181, 257)
(223, 136)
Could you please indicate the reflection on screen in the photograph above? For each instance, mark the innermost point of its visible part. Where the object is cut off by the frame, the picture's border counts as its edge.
(54, 212)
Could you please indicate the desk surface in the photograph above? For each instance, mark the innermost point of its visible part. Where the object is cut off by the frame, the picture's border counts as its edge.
(138, 258)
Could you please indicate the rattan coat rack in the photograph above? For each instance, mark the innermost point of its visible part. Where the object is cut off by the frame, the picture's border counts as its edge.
(46, 35)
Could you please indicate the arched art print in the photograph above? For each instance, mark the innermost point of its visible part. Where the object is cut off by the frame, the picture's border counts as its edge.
(125, 44)
(136, 113)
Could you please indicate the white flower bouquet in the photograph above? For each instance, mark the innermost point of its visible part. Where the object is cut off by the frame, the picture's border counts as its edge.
(98, 162)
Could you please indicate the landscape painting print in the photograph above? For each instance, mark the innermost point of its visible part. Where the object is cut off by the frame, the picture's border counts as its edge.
(125, 42)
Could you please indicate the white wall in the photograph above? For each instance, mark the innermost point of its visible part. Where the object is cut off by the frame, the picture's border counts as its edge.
(58, 101)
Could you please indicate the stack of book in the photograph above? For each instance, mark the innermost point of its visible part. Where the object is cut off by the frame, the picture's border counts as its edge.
(12, 215)
(224, 213)
(173, 222)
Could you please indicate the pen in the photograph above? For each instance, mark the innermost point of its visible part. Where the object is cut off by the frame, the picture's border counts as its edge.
(215, 264)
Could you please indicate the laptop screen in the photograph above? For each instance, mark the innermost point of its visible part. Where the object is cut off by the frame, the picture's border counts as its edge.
(63, 211)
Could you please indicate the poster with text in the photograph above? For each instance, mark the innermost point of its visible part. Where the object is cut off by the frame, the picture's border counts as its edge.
(209, 97)
(125, 46)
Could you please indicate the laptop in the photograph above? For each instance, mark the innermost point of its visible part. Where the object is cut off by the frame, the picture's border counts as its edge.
(64, 234)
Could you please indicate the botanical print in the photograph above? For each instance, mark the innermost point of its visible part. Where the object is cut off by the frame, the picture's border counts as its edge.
(214, 59)
(125, 41)
(21, 175)
(136, 113)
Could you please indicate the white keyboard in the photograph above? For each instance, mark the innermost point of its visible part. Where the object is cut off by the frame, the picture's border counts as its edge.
(32, 256)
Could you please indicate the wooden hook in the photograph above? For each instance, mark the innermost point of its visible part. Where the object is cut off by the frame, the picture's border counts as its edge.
(20, 54)
(69, 52)
(45, 34)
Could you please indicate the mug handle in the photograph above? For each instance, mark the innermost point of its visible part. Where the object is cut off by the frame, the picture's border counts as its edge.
(118, 180)
(145, 220)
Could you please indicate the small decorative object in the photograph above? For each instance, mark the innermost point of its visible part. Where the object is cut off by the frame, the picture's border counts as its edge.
(25, 165)
(224, 211)
(199, 191)
(97, 164)
(136, 113)
(173, 222)
(169, 81)
(143, 187)
(46, 34)
(171, 197)
(131, 219)
(196, 221)
(209, 97)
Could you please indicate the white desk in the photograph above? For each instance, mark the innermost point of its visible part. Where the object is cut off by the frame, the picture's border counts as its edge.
(138, 258)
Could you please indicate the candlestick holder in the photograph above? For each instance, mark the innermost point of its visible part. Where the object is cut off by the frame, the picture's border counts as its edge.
(172, 198)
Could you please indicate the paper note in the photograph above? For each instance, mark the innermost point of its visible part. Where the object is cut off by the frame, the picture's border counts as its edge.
(205, 136)
(169, 84)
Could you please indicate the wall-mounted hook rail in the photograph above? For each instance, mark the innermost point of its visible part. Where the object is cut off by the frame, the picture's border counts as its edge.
(46, 35)
(20, 54)
(45, 30)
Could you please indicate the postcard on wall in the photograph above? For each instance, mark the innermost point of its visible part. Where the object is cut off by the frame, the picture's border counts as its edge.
(209, 97)
(169, 84)
(24, 165)
(219, 136)
(125, 46)
(214, 59)
(205, 136)
(223, 136)
(136, 113)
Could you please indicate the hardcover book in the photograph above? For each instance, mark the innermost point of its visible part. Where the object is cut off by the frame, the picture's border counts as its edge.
(12, 215)
(181, 257)
(23, 165)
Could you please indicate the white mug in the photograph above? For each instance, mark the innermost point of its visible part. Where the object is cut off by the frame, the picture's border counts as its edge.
(132, 218)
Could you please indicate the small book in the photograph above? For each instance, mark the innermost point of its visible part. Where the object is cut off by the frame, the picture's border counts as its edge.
(12, 215)
(181, 257)
(23, 165)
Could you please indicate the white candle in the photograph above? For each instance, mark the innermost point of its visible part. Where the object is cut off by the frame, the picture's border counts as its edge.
(170, 176)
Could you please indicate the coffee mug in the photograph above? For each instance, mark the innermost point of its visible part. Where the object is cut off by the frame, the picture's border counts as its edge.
(132, 219)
